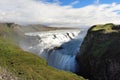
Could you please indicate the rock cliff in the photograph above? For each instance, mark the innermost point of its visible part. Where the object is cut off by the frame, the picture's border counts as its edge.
(99, 57)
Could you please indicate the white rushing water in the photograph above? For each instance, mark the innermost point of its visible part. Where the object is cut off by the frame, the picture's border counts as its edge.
(58, 47)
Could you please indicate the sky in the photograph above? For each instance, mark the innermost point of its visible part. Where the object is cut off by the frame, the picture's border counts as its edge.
(60, 13)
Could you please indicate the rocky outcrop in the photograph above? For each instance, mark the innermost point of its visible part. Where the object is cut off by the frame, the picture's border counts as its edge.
(99, 57)
(6, 75)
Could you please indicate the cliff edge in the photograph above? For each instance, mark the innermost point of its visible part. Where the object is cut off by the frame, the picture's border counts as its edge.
(99, 57)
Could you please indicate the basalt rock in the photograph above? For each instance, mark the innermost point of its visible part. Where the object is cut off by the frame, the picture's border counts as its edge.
(99, 57)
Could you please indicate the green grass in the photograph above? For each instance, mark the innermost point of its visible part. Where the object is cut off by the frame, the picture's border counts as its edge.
(27, 66)
(107, 28)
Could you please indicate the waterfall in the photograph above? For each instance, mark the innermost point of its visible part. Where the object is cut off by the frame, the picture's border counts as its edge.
(59, 47)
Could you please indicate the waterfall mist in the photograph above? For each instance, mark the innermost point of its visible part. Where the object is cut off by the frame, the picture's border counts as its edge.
(59, 47)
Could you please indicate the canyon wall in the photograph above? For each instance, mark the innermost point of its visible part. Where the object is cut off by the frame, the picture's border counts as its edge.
(99, 56)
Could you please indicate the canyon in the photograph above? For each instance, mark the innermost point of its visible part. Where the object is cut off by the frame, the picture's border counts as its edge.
(55, 46)
(92, 53)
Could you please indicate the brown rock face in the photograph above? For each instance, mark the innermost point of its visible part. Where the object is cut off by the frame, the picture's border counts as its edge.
(99, 57)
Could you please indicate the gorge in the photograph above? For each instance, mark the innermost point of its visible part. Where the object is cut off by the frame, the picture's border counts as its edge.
(92, 53)
(96, 58)
(58, 47)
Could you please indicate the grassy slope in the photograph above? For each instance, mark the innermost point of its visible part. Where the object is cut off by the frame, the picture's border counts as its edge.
(24, 65)
(107, 28)
(9, 32)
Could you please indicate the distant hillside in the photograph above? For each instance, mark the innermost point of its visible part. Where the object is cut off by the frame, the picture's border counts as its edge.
(16, 64)
(16, 32)
(20, 29)
(38, 27)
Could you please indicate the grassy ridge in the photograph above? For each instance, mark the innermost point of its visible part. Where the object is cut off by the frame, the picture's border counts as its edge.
(7, 31)
(107, 28)
(25, 65)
